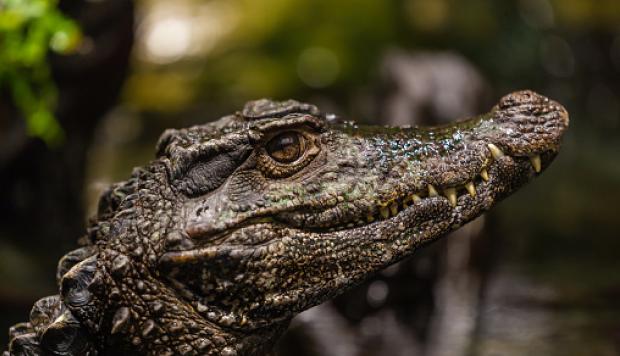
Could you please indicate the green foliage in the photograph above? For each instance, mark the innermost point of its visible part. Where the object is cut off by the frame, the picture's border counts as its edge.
(28, 29)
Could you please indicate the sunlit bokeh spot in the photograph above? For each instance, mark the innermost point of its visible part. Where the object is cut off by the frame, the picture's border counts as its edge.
(377, 293)
(168, 39)
(169, 32)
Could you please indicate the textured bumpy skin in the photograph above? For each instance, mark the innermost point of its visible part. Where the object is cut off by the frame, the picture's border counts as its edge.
(242, 223)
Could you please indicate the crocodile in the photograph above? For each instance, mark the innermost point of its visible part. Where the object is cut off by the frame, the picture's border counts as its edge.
(239, 224)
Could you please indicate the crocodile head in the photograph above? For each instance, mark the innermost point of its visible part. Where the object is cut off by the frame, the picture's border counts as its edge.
(241, 223)
(284, 208)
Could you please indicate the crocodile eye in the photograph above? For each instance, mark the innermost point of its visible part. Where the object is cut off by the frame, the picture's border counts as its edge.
(286, 153)
(286, 147)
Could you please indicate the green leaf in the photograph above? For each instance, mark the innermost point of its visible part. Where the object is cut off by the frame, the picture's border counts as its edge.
(28, 29)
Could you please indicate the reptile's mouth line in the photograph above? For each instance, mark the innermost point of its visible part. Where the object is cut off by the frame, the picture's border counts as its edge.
(385, 210)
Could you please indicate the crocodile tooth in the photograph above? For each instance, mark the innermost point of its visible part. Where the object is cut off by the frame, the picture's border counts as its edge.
(120, 320)
(384, 211)
(471, 188)
(394, 209)
(450, 193)
(432, 192)
(535, 160)
(495, 151)
(484, 174)
(415, 198)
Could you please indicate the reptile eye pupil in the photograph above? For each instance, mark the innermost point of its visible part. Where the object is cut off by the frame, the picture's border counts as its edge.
(286, 147)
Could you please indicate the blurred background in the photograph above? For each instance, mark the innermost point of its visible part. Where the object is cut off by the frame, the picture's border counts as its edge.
(539, 275)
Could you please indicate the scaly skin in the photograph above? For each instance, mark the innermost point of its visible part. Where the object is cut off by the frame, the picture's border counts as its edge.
(214, 246)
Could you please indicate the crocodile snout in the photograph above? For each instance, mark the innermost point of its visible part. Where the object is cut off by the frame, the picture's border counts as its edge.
(525, 123)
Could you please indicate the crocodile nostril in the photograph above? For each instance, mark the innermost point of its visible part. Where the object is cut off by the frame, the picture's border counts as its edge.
(524, 97)
(201, 209)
